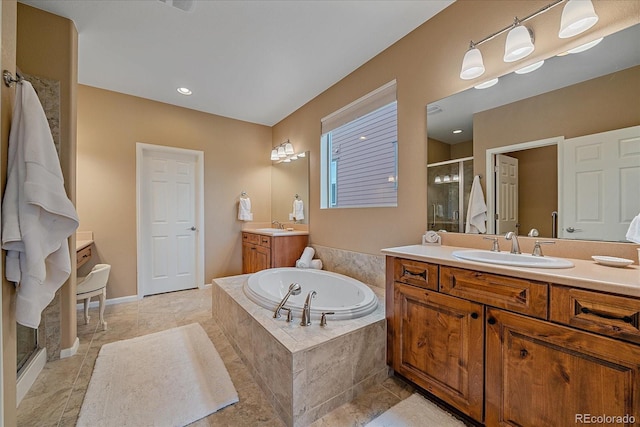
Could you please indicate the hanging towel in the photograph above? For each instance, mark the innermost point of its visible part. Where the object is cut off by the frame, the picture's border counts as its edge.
(298, 210)
(244, 209)
(37, 215)
(477, 211)
(633, 233)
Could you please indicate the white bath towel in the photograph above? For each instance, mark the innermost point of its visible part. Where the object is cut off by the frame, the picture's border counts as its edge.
(244, 209)
(315, 264)
(298, 210)
(37, 215)
(477, 211)
(633, 233)
(306, 257)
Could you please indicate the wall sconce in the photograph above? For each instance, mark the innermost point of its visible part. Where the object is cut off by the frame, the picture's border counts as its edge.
(577, 17)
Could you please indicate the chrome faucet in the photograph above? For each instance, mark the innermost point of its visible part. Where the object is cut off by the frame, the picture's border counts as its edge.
(294, 289)
(306, 311)
(515, 246)
(278, 224)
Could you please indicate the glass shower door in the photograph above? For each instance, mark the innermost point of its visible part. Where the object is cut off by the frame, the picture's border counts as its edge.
(27, 344)
(448, 188)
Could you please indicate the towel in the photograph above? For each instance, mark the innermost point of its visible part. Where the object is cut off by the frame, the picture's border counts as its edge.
(477, 211)
(298, 210)
(316, 264)
(306, 257)
(37, 215)
(244, 209)
(633, 233)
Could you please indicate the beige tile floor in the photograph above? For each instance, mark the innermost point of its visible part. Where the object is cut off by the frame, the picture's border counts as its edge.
(56, 397)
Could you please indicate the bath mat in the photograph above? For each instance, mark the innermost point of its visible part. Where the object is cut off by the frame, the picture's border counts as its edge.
(169, 378)
(415, 411)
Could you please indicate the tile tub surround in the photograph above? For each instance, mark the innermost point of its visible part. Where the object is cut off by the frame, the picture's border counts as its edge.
(369, 269)
(306, 372)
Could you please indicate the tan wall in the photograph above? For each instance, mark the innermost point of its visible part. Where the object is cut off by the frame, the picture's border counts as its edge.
(462, 150)
(236, 159)
(572, 111)
(426, 64)
(47, 46)
(438, 151)
(9, 363)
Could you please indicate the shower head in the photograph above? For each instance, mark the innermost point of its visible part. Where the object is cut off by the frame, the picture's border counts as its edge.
(295, 289)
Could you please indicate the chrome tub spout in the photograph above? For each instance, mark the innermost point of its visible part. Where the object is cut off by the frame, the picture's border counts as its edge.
(306, 311)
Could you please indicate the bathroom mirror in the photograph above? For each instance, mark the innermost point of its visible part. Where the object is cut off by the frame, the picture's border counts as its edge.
(522, 116)
(288, 180)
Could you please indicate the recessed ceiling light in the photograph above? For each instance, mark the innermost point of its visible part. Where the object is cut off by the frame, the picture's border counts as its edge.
(457, 131)
(487, 84)
(530, 68)
(184, 91)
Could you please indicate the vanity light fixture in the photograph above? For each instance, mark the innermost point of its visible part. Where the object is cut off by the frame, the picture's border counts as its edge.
(438, 180)
(274, 154)
(585, 46)
(530, 68)
(281, 152)
(577, 17)
(184, 91)
(487, 84)
(519, 43)
(446, 178)
(288, 148)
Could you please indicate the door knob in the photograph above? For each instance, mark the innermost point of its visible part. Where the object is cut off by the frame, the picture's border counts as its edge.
(193, 228)
(571, 229)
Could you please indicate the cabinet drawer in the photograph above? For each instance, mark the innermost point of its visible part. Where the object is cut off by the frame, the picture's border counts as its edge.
(251, 238)
(265, 241)
(416, 273)
(612, 315)
(82, 256)
(519, 295)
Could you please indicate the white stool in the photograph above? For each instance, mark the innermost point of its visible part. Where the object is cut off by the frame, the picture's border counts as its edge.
(94, 284)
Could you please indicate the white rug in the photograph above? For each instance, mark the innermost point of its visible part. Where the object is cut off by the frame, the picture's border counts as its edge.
(415, 411)
(170, 378)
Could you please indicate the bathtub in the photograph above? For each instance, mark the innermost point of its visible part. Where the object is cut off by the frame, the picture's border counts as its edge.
(347, 297)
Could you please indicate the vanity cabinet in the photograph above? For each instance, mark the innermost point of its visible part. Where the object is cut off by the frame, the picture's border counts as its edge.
(509, 351)
(260, 251)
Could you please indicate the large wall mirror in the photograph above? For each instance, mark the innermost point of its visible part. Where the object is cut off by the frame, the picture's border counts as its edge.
(290, 182)
(557, 122)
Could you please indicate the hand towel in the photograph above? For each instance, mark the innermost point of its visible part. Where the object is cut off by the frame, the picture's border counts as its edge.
(37, 215)
(298, 210)
(244, 209)
(477, 211)
(633, 233)
(306, 257)
(316, 264)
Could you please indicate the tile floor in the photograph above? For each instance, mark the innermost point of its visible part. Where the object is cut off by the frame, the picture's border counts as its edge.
(56, 397)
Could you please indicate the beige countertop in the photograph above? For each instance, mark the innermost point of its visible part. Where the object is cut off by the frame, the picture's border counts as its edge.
(276, 232)
(81, 244)
(585, 274)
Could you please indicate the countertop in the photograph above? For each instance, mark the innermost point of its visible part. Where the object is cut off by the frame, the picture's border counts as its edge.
(585, 274)
(275, 232)
(81, 244)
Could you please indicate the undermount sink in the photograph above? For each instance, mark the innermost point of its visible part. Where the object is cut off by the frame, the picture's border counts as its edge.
(515, 260)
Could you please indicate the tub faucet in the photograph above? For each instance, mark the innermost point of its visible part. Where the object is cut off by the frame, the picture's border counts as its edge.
(294, 289)
(515, 246)
(306, 311)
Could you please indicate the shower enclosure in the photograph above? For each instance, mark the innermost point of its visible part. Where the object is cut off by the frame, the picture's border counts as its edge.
(448, 189)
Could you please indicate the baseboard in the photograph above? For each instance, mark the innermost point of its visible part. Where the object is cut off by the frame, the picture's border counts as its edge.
(111, 301)
(30, 373)
(68, 352)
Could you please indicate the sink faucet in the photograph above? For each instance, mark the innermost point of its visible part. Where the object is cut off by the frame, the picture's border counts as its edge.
(278, 224)
(515, 246)
(306, 311)
(294, 289)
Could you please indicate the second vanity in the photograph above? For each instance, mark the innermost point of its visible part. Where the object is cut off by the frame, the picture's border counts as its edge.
(264, 248)
(514, 346)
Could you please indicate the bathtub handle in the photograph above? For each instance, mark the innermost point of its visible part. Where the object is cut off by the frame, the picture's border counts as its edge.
(289, 314)
(323, 318)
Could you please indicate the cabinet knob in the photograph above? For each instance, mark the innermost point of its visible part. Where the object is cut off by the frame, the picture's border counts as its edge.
(474, 315)
(491, 321)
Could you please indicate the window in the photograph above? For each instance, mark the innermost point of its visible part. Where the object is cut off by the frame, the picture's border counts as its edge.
(359, 147)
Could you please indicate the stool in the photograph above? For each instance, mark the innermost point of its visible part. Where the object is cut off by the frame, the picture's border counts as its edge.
(94, 284)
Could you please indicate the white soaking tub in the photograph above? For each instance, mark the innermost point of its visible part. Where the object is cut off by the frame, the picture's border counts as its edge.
(348, 298)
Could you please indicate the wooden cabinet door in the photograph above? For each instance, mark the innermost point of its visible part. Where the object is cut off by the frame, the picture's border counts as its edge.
(438, 344)
(247, 259)
(262, 258)
(541, 374)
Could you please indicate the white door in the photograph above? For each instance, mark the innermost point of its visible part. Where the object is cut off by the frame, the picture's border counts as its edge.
(168, 222)
(506, 194)
(601, 190)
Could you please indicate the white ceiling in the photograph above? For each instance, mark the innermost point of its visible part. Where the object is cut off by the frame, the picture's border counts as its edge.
(256, 61)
